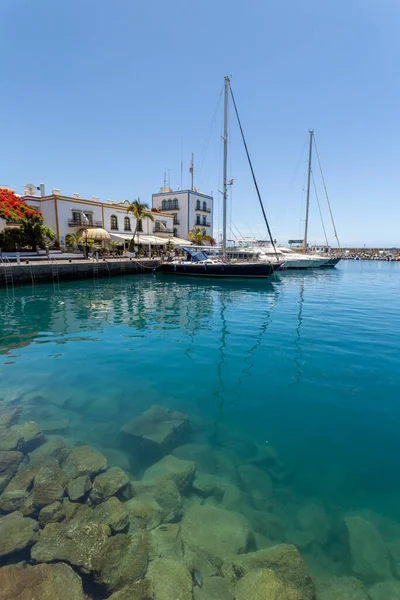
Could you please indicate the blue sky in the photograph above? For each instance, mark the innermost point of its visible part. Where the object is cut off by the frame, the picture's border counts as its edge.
(99, 97)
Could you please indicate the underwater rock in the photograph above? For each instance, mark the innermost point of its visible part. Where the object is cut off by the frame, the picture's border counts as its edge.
(31, 435)
(16, 493)
(394, 550)
(123, 560)
(258, 484)
(9, 462)
(55, 426)
(11, 500)
(265, 457)
(78, 488)
(55, 448)
(264, 584)
(342, 588)
(284, 560)
(369, 556)
(202, 455)
(210, 534)
(52, 513)
(207, 484)
(48, 485)
(10, 416)
(117, 458)
(139, 590)
(84, 460)
(108, 484)
(170, 579)
(112, 513)
(165, 493)
(79, 541)
(266, 523)
(144, 512)
(155, 433)
(44, 582)
(102, 409)
(17, 533)
(180, 471)
(166, 542)
(214, 588)
(10, 439)
(313, 521)
(385, 590)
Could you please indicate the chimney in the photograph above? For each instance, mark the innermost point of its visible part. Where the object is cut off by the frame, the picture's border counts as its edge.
(76, 195)
(56, 192)
(42, 190)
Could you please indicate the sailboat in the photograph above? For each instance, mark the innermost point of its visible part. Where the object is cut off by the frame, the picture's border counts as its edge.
(198, 262)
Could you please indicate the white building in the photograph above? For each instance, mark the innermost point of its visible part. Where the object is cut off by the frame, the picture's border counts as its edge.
(72, 214)
(188, 208)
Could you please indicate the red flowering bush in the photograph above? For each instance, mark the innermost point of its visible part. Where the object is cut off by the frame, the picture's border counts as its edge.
(14, 209)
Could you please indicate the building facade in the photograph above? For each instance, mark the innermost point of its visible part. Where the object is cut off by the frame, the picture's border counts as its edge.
(188, 208)
(72, 214)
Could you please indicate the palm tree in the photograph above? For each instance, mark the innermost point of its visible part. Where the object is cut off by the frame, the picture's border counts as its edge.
(73, 240)
(140, 211)
(197, 235)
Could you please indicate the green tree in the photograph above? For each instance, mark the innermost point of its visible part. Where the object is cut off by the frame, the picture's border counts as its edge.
(140, 211)
(73, 240)
(198, 236)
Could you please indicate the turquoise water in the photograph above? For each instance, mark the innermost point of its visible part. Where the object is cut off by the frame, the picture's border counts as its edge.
(308, 363)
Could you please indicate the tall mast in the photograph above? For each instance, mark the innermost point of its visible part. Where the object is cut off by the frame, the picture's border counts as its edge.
(192, 172)
(308, 190)
(225, 183)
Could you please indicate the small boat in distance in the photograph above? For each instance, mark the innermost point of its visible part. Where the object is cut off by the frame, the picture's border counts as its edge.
(198, 263)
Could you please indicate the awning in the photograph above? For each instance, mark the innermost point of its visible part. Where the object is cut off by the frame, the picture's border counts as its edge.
(179, 241)
(120, 238)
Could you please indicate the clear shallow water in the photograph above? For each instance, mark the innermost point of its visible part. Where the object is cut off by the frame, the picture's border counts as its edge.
(309, 363)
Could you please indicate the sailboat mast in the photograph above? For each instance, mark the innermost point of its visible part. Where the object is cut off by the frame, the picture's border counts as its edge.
(308, 191)
(225, 173)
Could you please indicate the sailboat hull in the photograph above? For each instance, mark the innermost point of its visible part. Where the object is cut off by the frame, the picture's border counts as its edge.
(257, 270)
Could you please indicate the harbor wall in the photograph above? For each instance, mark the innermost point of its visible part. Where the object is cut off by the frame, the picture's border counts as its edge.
(34, 273)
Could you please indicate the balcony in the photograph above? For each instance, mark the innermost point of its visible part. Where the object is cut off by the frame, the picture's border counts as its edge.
(80, 223)
(206, 224)
(162, 230)
(207, 210)
(168, 208)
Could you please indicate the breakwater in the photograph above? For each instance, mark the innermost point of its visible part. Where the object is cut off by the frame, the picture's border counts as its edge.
(69, 270)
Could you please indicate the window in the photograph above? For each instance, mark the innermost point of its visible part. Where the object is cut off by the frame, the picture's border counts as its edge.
(198, 205)
(197, 219)
(204, 205)
(114, 222)
(76, 217)
(204, 220)
(169, 204)
(176, 222)
(140, 226)
(127, 224)
(175, 203)
(89, 217)
(175, 232)
(164, 205)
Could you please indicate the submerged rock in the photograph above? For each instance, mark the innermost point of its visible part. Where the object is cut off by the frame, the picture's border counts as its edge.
(17, 533)
(32, 436)
(180, 471)
(155, 433)
(144, 512)
(78, 488)
(258, 485)
(214, 588)
(369, 556)
(342, 588)
(284, 560)
(54, 448)
(206, 485)
(84, 460)
(264, 584)
(79, 541)
(139, 590)
(165, 493)
(385, 590)
(52, 513)
(108, 484)
(123, 560)
(48, 485)
(203, 455)
(166, 542)
(10, 416)
(113, 513)
(55, 426)
(9, 462)
(210, 534)
(170, 579)
(10, 439)
(44, 582)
